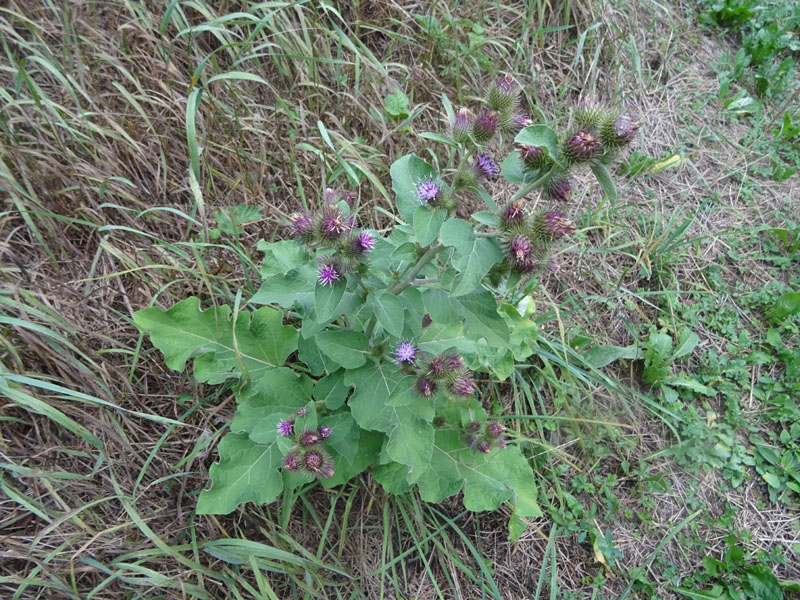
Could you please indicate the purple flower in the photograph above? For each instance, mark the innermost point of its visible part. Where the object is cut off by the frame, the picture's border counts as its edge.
(437, 368)
(470, 441)
(557, 224)
(330, 196)
(286, 428)
(495, 429)
(483, 446)
(520, 121)
(454, 363)
(559, 189)
(533, 157)
(328, 274)
(324, 432)
(292, 462)
(309, 438)
(485, 166)
(334, 223)
(364, 242)
(405, 352)
(625, 128)
(313, 461)
(426, 387)
(463, 386)
(462, 126)
(514, 213)
(301, 224)
(485, 126)
(473, 426)
(582, 145)
(327, 469)
(520, 252)
(503, 94)
(302, 411)
(429, 192)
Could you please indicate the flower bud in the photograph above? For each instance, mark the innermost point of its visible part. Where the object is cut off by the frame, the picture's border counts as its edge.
(559, 189)
(309, 438)
(438, 421)
(292, 462)
(581, 146)
(333, 223)
(484, 447)
(533, 157)
(426, 387)
(513, 214)
(470, 441)
(426, 320)
(463, 386)
(473, 426)
(324, 432)
(349, 197)
(513, 124)
(330, 196)
(302, 411)
(462, 126)
(301, 225)
(554, 224)
(495, 429)
(327, 469)
(520, 253)
(437, 368)
(485, 125)
(502, 95)
(313, 461)
(589, 113)
(618, 130)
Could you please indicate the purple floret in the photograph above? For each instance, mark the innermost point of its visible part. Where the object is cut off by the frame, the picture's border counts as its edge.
(405, 352)
(428, 191)
(486, 165)
(365, 241)
(328, 274)
(285, 428)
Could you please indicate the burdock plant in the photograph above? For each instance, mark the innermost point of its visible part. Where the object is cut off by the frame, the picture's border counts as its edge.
(362, 350)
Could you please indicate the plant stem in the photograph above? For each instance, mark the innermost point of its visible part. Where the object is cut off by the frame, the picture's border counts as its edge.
(529, 187)
(432, 251)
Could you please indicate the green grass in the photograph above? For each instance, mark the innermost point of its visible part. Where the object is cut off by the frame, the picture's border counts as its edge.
(131, 131)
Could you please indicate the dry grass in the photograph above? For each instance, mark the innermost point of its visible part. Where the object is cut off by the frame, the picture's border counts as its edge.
(100, 473)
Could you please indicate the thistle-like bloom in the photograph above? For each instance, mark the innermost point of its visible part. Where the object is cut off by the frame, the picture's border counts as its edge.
(473, 426)
(513, 214)
(559, 189)
(426, 387)
(462, 126)
(302, 411)
(463, 386)
(581, 146)
(483, 446)
(619, 130)
(324, 432)
(327, 469)
(349, 197)
(363, 242)
(292, 462)
(301, 224)
(512, 124)
(405, 352)
(437, 368)
(429, 192)
(589, 113)
(309, 438)
(470, 441)
(533, 157)
(333, 223)
(520, 252)
(328, 274)
(495, 429)
(313, 461)
(485, 126)
(502, 96)
(554, 266)
(330, 196)
(286, 428)
(454, 362)
(485, 166)
(557, 225)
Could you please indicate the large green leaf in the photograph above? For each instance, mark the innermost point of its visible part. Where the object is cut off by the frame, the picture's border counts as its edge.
(344, 347)
(184, 331)
(407, 172)
(604, 179)
(427, 223)
(297, 286)
(327, 299)
(381, 402)
(539, 136)
(479, 310)
(389, 311)
(246, 472)
(473, 256)
(281, 257)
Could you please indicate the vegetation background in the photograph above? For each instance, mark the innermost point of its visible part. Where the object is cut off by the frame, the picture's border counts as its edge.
(147, 145)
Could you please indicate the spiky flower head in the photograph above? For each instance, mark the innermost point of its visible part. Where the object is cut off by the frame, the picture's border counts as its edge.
(313, 460)
(502, 95)
(437, 368)
(328, 274)
(324, 432)
(473, 426)
(327, 469)
(429, 191)
(330, 196)
(333, 223)
(309, 438)
(520, 253)
(589, 113)
(301, 225)
(405, 352)
(485, 167)
(426, 387)
(533, 157)
(453, 363)
(553, 266)
(581, 146)
(286, 428)
(485, 126)
(513, 214)
(514, 123)
(292, 462)
(363, 242)
(495, 429)
(302, 411)
(462, 125)
(559, 189)
(556, 224)
(463, 385)
(618, 130)
(349, 197)
(470, 441)
(484, 447)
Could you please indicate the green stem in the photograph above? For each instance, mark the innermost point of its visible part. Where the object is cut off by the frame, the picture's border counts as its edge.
(432, 251)
(529, 187)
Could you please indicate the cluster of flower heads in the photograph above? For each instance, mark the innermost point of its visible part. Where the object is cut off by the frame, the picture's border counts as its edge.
(484, 437)
(445, 371)
(330, 228)
(500, 114)
(308, 454)
(597, 133)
